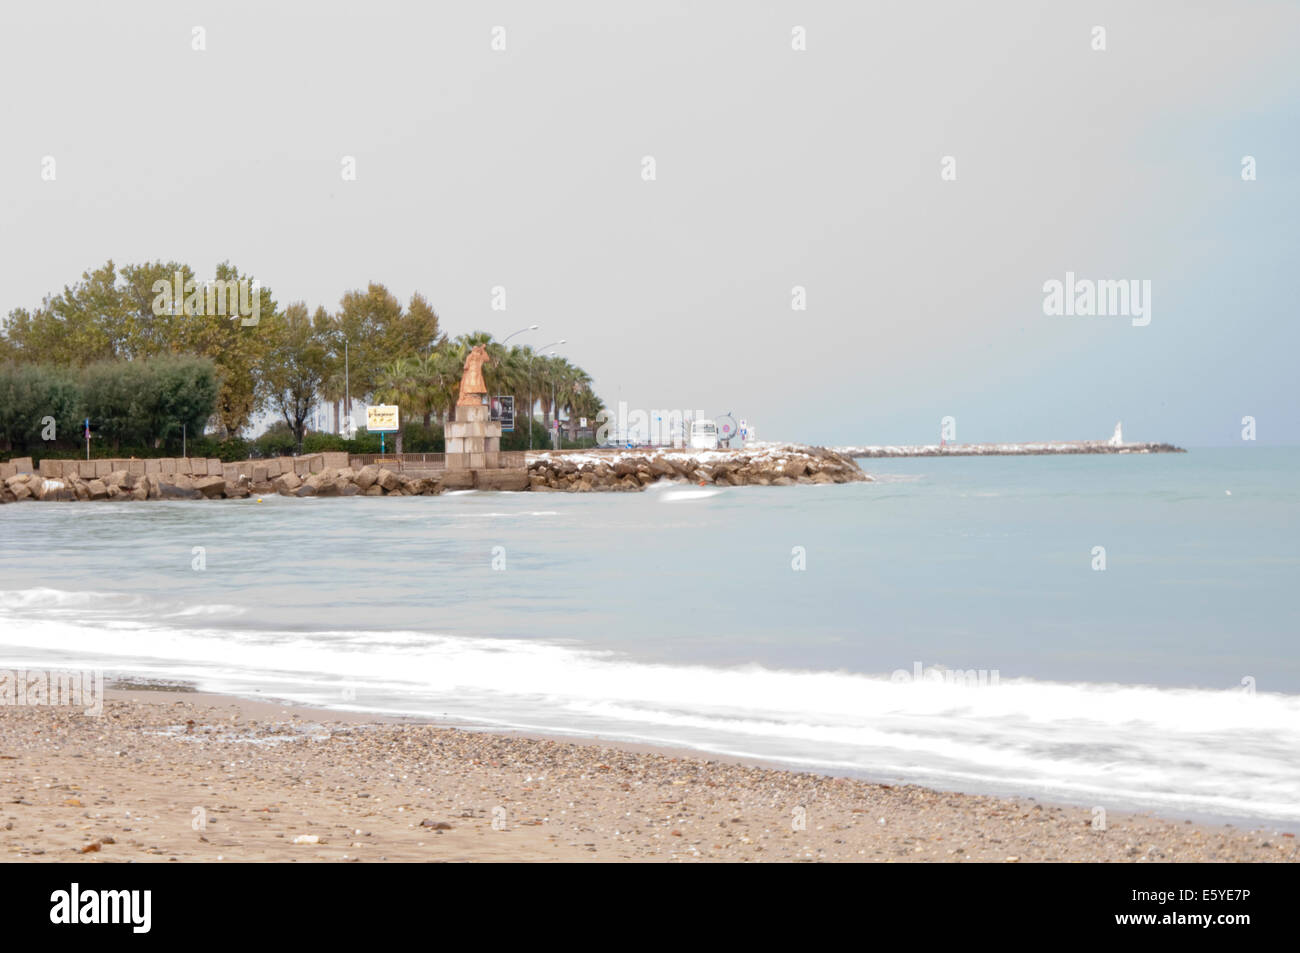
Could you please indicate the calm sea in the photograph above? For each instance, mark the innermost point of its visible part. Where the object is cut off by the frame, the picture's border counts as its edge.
(1168, 680)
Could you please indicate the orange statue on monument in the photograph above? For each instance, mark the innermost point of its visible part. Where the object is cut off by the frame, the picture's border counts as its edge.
(472, 386)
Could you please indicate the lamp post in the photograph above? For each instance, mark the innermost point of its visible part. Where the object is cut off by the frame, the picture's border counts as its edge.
(531, 356)
(347, 394)
(531, 327)
(555, 410)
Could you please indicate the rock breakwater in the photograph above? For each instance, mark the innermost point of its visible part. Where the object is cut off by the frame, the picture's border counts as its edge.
(633, 470)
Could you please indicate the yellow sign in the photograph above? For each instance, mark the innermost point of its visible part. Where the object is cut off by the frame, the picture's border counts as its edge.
(382, 418)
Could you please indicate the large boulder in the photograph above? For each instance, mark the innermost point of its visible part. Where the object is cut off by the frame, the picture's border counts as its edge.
(212, 487)
(179, 488)
(328, 487)
(417, 486)
(388, 480)
(661, 467)
(367, 477)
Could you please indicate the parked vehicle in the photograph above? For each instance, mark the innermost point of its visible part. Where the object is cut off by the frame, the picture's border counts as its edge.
(704, 435)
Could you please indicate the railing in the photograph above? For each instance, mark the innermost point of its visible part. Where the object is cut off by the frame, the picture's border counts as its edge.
(426, 461)
(406, 461)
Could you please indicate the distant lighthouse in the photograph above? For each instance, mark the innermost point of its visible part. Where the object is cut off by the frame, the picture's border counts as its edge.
(1117, 438)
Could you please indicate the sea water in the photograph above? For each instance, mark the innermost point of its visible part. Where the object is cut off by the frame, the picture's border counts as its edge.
(1114, 630)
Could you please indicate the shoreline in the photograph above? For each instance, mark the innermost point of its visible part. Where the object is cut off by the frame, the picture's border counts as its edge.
(132, 785)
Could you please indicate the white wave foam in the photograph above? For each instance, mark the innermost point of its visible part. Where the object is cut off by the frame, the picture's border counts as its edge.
(1221, 752)
(679, 496)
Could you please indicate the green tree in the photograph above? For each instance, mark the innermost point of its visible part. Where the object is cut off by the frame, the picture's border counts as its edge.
(400, 383)
(295, 364)
(111, 314)
(365, 319)
(236, 345)
(31, 394)
(413, 331)
(184, 391)
(149, 402)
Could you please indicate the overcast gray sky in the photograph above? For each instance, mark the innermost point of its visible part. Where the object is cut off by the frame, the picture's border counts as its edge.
(775, 168)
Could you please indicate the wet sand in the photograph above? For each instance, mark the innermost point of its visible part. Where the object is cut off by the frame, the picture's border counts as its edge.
(184, 776)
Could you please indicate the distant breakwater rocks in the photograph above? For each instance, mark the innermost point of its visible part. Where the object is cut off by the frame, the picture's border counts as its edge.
(1008, 449)
(630, 470)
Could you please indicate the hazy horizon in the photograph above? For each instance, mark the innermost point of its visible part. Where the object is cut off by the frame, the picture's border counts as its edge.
(775, 168)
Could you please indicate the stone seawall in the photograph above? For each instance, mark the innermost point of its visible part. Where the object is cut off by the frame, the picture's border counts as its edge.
(329, 474)
(317, 474)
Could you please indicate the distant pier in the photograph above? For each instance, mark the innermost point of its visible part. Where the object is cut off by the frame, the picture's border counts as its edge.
(1008, 449)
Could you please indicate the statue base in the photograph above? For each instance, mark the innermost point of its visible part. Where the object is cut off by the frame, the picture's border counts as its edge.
(473, 439)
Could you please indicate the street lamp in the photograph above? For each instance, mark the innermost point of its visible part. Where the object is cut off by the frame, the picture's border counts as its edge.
(555, 409)
(531, 356)
(531, 327)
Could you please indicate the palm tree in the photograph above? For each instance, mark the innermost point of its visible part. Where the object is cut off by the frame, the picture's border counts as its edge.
(556, 377)
(437, 377)
(399, 384)
(587, 404)
(570, 385)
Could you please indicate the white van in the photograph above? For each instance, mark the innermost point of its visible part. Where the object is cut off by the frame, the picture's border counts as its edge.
(704, 435)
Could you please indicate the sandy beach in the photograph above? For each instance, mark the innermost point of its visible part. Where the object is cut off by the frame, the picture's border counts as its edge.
(183, 776)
